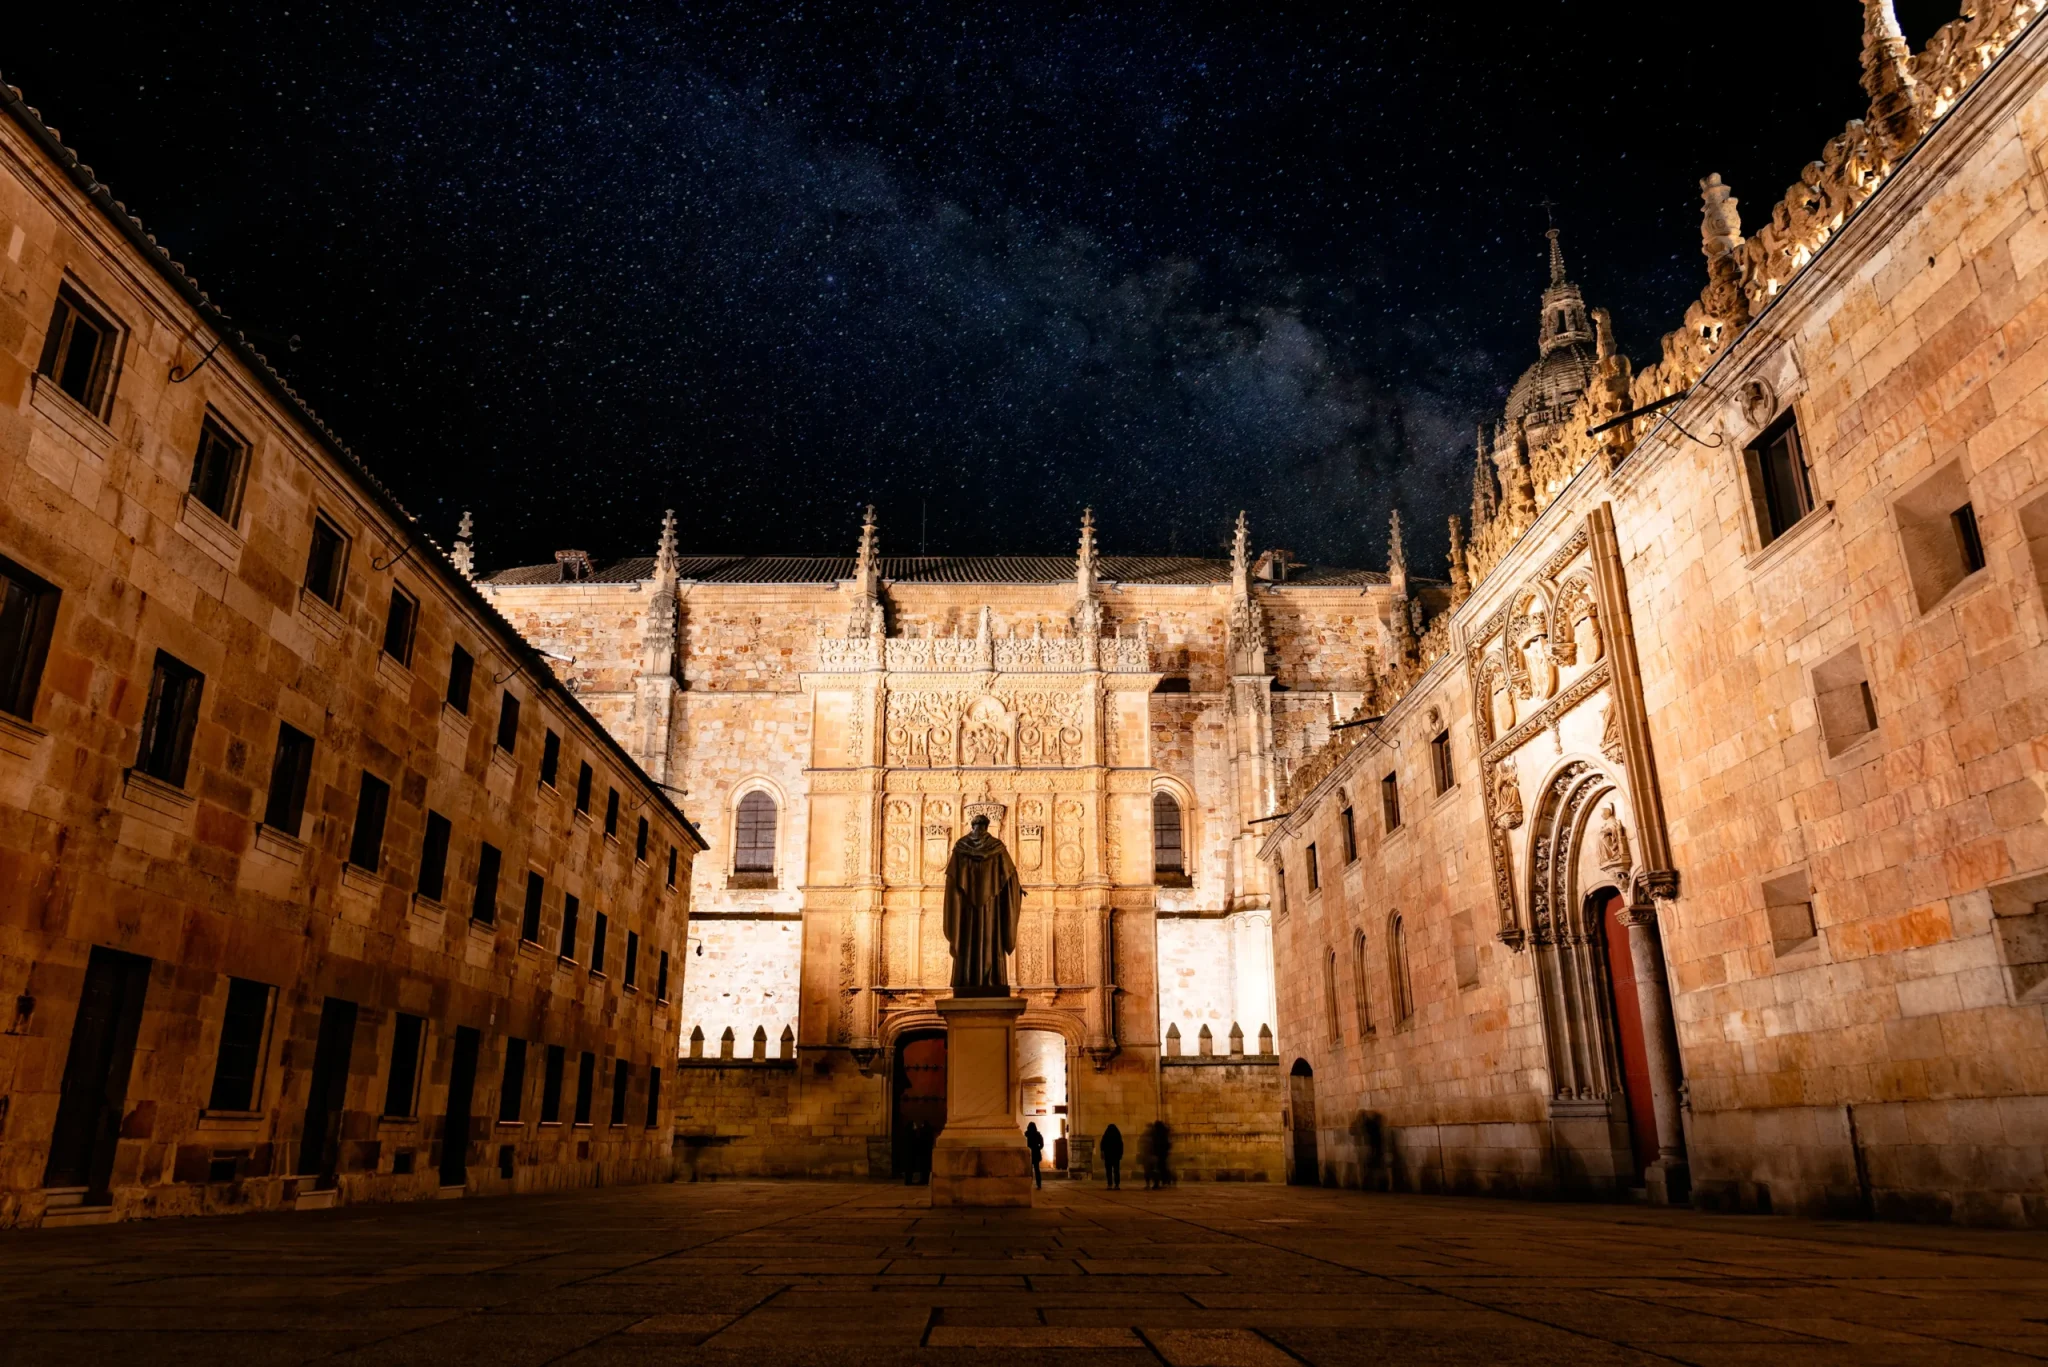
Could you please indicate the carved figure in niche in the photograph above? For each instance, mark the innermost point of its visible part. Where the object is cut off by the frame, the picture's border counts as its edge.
(984, 898)
(1507, 796)
(985, 736)
(1539, 670)
(1587, 642)
(1503, 706)
(1610, 734)
(1615, 860)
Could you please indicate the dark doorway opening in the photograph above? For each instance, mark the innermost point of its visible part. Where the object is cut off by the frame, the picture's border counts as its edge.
(1628, 1030)
(1301, 1112)
(95, 1088)
(461, 1091)
(919, 1110)
(320, 1140)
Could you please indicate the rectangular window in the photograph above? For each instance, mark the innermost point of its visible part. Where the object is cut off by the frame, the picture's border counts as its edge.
(28, 614)
(1315, 870)
(621, 1077)
(508, 723)
(461, 669)
(632, 957)
(583, 777)
(550, 758)
(512, 1092)
(569, 910)
(671, 866)
(529, 920)
(661, 977)
(653, 1097)
(1390, 801)
(290, 773)
(1440, 761)
(238, 1067)
(586, 1083)
(611, 815)
(401, 1089)
(1347, 826)
(79, 352)
(326, 562)
(1968, 542)
(597, 933)
(640, 843)
(170, 719)
(551, 1087)
(399, 624)
(366, 846)
(434, 857)
(219, 470)
(484, 906)
(1778, 477)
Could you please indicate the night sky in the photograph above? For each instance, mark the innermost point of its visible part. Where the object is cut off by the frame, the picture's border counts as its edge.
(569, 264)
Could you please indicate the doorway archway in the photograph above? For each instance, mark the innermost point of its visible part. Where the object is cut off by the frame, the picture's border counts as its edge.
(1603, 908)
(1306, 1170)
(1042, 1090)
(918, 1090)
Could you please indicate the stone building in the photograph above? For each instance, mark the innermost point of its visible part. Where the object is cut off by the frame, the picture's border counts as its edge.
(1700, 849)
(315, 883)
(838, 722)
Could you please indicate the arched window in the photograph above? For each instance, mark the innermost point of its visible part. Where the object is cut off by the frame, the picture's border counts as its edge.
(1358, 981)
(1402, 985)
(1169, 851)
(753, 846)
(1330, 996)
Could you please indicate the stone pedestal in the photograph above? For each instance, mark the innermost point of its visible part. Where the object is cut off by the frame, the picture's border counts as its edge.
(980, 1158)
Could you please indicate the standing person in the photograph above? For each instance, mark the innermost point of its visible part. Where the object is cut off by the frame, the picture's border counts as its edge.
(1148, 1155)
(1163, 1151)
(1035, 1142)
(1113, 1157)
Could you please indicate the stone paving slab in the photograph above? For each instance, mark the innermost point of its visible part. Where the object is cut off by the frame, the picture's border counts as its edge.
(797, 1273)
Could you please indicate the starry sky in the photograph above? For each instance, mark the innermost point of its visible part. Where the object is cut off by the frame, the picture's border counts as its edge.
(568, 264)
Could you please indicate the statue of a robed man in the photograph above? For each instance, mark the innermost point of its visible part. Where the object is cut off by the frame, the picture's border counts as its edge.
(983, 900)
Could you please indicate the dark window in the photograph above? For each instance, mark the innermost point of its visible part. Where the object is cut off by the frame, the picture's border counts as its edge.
(653, 1097)
(550, 758)
(508, 723)
(169, 721)
(1333, 1017)
(1440, 760)
(366, 847)
(640, 842)
(611, 814)
(1390, 801)
(405, 1066)
(1964, 520)
(1401, 985)
(1347, 826)
(632, 957)
(529, 920)
(484, 907)
(583, 777)
(586, 1083)
(78, 353)
(754, 847)
(511, 1093)
(1315, 869)
(597, 944)
(1777, 467)
(461, 669)
(1168, 854)
(326, 562)
(399, 625)
(551, 1087)
(661, 977)
(219, 468)
(569, 909)
(290, 773)
(671, 866)
(621, 1077)
(434, 857)
(1363, 1004)
(28, 612)
(240, 1061)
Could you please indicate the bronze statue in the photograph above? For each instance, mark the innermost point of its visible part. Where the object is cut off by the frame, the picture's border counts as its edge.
(983, 899)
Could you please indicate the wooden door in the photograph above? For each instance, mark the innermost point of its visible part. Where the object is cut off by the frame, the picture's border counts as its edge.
(920, 1111)
(95, 1087)
(1628, 1032)
(1301, 1109)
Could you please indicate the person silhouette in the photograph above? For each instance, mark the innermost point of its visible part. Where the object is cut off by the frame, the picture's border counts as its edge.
(1113, 1157)
(1035, 1142)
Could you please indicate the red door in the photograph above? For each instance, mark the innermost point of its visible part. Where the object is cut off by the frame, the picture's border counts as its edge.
(920, 1099)
(1628, 1028)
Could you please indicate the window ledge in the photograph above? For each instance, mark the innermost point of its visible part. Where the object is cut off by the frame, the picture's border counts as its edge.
(1967, 586)
(629, 987)
(600, 974)
(530, 948)
(480, 928)
(232, 1121)
(502, 761)
(18, 738)
(582, 814)
(155, 801)
(322, 615)
(766, 881)
(511, 1124)
(210, 532)
(71, 417)
(277, 845)
(1164, 879)
(1796, 535)
(356, 878)
(564, 961)
(394, 674)
(429, 908)
(454, 719)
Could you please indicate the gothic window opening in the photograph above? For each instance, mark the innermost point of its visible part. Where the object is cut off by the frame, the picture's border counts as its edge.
(754, 835)
(1402, 986)
(1779, 483)
(1363, 1000)
(1169, 850)
(1330, 1011)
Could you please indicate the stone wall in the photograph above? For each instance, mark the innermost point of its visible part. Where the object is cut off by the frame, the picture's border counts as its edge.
(1223, 1114)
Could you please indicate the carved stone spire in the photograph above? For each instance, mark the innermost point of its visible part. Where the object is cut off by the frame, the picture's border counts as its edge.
(1557, 277)
(1400, 635)
(1888, 79)
(1087, 596)
(1517, 481)
(662, 603)
(665, 558)
(1721, 243)
(864, 618)
(1247, 618)
(464, 558)
(1482, 482)
(1461, 576)
(1397, 556)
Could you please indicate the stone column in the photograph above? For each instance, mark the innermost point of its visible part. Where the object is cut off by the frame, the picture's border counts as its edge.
(1669, 1179)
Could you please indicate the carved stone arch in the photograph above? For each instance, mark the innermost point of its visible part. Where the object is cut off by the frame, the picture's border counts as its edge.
(1184, 797)
(776, 793)
(1576, 603)
(1531, 632)
(1493, 698)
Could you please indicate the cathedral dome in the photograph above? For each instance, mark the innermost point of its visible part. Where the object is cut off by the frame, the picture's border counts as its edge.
(1547, 390)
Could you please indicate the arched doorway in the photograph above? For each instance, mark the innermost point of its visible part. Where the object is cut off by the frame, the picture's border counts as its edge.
(919, 1109)
(1042, 1090)
(1301, 1110)
(1604, 907)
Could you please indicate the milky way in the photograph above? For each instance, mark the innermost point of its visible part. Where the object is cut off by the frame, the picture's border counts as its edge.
(568, 265)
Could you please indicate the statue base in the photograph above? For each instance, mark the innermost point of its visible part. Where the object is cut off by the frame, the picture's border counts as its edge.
(979, 1159)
